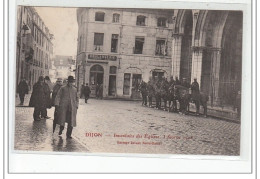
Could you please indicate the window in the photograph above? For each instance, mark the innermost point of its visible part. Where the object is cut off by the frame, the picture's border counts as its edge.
(140, 20)
(114, 42)
(161, 22)
(139, 43)
(157, 74)
(116, 17)
(112, 70)
(161, 47)
(100, 16)
(126, 88)
(98, 41)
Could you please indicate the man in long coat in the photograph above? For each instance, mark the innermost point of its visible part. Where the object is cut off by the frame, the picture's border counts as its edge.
(195, 95)
(86, 92)
(56, 89)
(47, 91)
(67, 101)
(38, 99)
(22, 90)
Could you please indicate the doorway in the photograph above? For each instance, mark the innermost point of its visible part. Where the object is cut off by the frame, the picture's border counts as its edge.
(96, 79)
(136, 80)
(112, 81)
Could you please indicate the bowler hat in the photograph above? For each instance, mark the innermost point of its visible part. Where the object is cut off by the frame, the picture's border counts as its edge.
(71, 79)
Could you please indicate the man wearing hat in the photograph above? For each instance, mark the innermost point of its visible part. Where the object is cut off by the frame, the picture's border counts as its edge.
(38, 99)
(195, 94)
(47, 91)
(56, 88)
(67, 102)
(86, 92)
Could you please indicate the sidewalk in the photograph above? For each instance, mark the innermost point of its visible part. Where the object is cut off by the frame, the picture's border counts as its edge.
(217, 112)
(33, 135)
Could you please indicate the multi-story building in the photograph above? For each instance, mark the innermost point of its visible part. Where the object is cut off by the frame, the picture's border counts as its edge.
(120, 47)
(34, 46)
(65, 66)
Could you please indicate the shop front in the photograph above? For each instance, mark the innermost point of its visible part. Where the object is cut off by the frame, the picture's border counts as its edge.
(101, 74)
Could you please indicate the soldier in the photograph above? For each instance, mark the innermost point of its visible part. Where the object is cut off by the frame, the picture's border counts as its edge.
(143, 90)
(164, 91)
(177, 81)
(171, 81)
(157, 85)
(195, 95)
(150, 91)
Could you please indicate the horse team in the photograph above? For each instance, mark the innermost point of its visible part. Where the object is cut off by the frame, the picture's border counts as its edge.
(176, 96)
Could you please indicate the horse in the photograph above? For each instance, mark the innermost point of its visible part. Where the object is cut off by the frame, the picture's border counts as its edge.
(200, 99)
(183, 96)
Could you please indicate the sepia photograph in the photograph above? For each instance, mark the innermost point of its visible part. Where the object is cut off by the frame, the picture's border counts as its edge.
(128, 80)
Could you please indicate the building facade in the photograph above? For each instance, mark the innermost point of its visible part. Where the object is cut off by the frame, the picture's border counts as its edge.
(120, 47)
(64, 66)
(34, 46)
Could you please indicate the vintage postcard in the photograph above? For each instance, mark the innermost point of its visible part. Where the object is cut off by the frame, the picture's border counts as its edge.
(128, 80)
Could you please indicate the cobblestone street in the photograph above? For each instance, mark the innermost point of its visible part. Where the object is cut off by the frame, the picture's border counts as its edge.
(112, 126)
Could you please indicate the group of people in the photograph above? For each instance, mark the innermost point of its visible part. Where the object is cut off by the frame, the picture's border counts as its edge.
(172, 91)
(63, 96)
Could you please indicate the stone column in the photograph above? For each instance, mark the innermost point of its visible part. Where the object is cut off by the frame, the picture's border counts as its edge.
(176, 54)
(197, 56)
(215, 74)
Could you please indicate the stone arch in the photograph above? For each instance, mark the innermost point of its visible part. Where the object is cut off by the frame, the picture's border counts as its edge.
(178, 20)
(186, 26)
(212, 28)
(216, 26)
(231, 58)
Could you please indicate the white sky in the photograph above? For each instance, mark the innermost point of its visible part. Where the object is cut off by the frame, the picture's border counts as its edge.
(62, 23)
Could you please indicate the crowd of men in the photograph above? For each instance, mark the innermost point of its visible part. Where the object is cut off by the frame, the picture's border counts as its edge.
(63, 96)
(170, 91)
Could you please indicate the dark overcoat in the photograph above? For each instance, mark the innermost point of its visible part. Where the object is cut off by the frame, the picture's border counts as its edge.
(86, 91)
(47, 92)
(23, 88)
(67, 97)
(38, 98)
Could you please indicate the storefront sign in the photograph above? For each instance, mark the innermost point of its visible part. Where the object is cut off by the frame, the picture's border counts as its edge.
(102, 57)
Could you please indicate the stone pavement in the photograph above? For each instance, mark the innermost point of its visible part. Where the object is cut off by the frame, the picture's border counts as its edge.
(112, 126)
(33, 135)
(172, 133)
